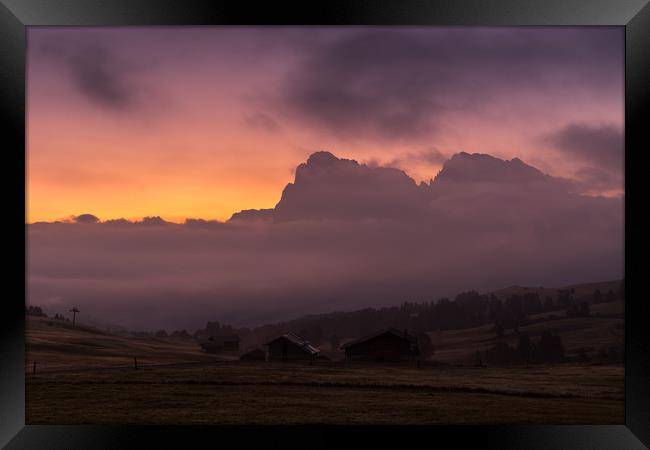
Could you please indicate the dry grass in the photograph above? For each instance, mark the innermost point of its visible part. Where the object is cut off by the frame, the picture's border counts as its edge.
(278, 393)
(230, 392)
(56, 345)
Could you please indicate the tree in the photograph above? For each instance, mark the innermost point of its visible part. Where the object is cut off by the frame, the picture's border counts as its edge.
(548, 303)
(36, 311)
(565, 297)
(531, 303)
(334, 342)
(182, 334)
(598, 297)
(212, 328)
(501, 353)
(550, 348)
(525, 348)
(425, 345)
(161, 333)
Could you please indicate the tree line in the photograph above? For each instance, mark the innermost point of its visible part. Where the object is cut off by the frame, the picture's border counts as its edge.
(468, 309)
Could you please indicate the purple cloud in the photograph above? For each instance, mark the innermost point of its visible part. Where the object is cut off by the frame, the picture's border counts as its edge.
(400, 84)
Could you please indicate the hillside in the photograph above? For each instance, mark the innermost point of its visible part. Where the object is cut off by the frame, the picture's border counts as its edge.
(55, 344)
(580, 290)
(602, 331)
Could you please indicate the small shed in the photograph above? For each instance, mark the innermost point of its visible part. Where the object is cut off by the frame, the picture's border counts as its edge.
(256, 354)
(221, 344)
(387, 345)
(290, 346)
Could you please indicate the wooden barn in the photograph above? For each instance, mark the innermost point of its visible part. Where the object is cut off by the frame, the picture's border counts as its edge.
(290, 346)
(387, 345)
(221, 344)
(256, 354)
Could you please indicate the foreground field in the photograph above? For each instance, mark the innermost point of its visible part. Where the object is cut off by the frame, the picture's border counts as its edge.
(264, 393)
(86, 376)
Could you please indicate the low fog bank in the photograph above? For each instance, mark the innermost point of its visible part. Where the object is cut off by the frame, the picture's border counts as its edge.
(178, 276)
(319, 254)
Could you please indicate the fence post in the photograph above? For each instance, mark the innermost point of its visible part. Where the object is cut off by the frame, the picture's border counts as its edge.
(34, 368)
(135, 363)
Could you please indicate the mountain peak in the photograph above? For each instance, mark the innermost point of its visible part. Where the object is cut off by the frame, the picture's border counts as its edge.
(322, 163)
(480, 167)
(322, 157)
(326, 186)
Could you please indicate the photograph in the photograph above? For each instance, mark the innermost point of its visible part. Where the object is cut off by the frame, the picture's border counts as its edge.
(340, 225)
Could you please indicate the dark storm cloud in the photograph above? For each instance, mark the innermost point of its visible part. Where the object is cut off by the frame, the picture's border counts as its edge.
(97, 71)
(98, 74)
(400, 84)
(599, 145)
(593, 179)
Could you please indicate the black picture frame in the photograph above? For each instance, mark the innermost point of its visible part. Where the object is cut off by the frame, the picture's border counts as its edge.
(16, 15)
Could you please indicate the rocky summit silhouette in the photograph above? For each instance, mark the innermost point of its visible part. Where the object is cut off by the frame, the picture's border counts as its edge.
(344, 235)
(327, 187)
(479, 167)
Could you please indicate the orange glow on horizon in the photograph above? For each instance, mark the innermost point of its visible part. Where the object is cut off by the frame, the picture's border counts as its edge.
(207, 134)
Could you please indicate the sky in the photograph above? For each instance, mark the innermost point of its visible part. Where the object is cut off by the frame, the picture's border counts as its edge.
(382, 165)
(202, 122)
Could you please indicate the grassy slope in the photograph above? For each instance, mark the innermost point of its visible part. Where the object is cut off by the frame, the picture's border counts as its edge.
(603, 330)
(55, 344)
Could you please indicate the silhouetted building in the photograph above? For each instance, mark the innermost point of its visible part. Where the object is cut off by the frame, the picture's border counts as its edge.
(387, 345)
(221, 344)
(256, 354)
(290, 346)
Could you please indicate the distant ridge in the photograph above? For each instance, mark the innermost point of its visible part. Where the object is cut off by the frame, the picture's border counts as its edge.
(328, 187)
(581, 289)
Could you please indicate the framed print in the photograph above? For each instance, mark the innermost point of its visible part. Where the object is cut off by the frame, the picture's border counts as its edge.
(296, 226)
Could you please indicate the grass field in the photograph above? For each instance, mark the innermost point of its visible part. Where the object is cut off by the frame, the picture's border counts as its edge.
(225, 391)
(265, 393)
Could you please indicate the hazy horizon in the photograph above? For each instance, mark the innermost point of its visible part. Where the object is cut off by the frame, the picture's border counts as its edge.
(362, 166)
(343, 236)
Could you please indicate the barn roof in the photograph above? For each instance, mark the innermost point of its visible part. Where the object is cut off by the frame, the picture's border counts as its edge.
(400, 334)
(299, 341)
